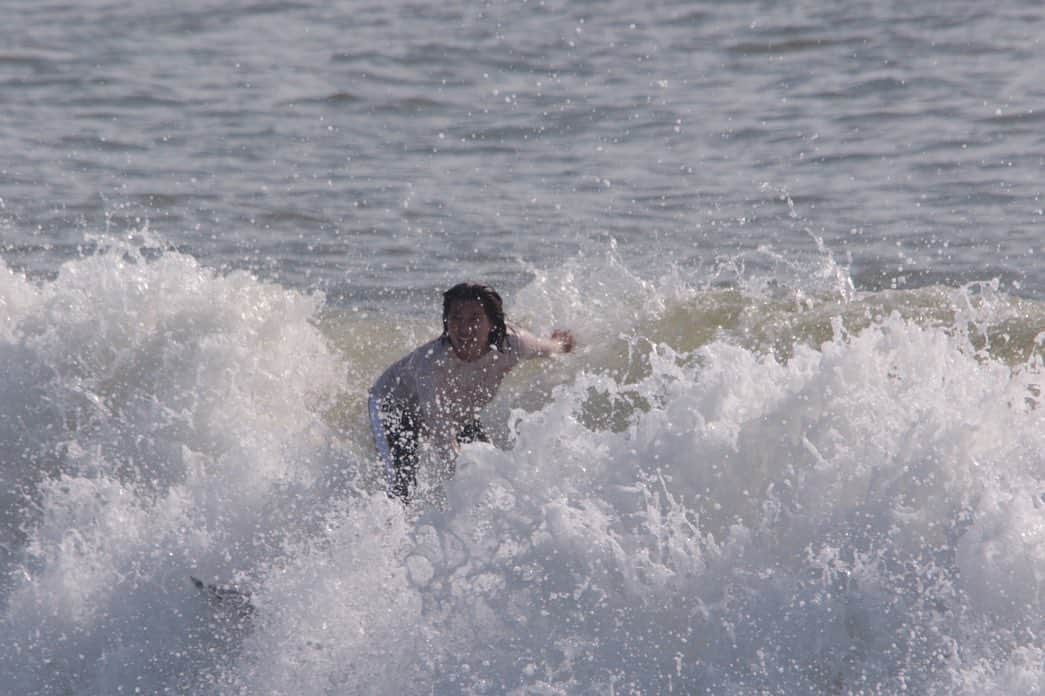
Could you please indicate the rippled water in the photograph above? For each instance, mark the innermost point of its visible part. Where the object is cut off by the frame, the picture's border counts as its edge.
(799, 449)
(360, 146)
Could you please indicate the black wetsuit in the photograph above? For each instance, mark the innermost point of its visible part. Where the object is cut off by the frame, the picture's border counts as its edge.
(403, 434)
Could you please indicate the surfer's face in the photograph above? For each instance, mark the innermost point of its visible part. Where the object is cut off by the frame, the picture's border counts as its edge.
(469, 329)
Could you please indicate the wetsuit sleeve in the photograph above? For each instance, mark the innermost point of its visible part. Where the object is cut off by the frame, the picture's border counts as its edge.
(392, 406)
(386, 390)
(377, 428)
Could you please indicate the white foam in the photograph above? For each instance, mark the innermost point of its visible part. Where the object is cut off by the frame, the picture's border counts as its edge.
(158, 420)
(864, 516)
(796, 528)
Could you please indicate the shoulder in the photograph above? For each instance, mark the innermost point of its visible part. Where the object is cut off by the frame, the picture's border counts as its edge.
(423, 358)
(434, 348)
(412, 366)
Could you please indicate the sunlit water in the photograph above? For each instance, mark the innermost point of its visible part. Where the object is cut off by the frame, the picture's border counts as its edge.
(800, 447)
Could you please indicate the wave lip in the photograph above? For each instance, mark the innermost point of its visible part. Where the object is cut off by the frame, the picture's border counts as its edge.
(158, 419)
(728, 488)
(855, 516)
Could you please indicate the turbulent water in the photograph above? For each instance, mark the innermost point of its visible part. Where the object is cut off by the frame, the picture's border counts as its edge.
(723, 491)
(800, 448)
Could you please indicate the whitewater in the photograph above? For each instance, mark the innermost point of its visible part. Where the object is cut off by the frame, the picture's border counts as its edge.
(746, 489)
(799, 449)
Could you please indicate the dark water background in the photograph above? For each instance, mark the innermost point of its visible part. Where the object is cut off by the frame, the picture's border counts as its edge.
(360, 147)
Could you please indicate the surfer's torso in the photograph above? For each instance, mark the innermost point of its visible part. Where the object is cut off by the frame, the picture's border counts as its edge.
(446, 392)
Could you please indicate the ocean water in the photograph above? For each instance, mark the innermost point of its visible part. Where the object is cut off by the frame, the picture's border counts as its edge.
(800, 448)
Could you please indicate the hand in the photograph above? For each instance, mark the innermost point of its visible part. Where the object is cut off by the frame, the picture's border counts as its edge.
(564, 339)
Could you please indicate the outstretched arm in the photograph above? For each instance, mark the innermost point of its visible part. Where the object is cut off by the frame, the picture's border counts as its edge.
(531, 346)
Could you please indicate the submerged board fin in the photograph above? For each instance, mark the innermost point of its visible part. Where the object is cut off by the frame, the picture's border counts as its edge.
(228, 597)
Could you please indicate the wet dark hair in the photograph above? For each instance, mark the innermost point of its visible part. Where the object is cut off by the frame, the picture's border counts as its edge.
(492, 305)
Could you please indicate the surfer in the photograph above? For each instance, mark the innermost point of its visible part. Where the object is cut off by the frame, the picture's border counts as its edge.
(429, 401)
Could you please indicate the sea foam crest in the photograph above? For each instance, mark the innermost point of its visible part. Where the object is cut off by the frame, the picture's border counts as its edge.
(158, 419)
(866, 516)
(858, 513)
